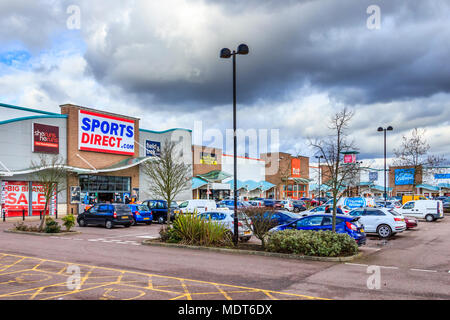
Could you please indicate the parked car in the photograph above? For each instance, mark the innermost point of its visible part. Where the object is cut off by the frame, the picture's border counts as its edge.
(282, 217)
(230, 204)
(310, 202)
(108, 215)
(429, 210)
(411, 222)
(321, 200)
(286, 204)
(299, 206)
(256, 203)
(388, 204)
(446, 206)
(159, 210)
(227, 219)
(382, 221)
(269, 203)
(198, 205)
(141, 214)
(323, 222)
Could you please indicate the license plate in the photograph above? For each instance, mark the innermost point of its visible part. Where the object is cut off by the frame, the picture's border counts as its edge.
(361, 230)
(176, 211)
(125, 217)
(146, 218)
(246, 232)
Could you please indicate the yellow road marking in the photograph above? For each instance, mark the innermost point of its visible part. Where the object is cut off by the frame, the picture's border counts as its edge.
(118, 281)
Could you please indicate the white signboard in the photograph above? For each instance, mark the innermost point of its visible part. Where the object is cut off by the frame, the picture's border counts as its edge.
(104, 133)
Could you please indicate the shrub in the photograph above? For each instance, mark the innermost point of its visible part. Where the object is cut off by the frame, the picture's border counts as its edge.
(312, 243)
(52, 226)
(20, 226)
(68, 221)
(260, 222)
(193, 230)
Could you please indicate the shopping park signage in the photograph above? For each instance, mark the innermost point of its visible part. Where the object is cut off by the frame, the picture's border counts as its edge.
(104, 133)
(404, 177)
(45, 138)
(295, 165)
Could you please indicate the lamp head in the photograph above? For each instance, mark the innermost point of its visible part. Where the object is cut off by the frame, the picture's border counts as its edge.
(242, 49)
(380, 129)
(389, 128)
(225, 53)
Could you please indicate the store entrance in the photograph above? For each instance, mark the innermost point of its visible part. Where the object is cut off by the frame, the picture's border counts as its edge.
(104, 189)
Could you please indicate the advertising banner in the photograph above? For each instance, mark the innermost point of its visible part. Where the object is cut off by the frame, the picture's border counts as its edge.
(373, 176)
(404, 177)
(208, 158)
(104, 133)
(442, 176)
(152, 148)
(350, 158)
(15, 198)
(295, 165)
(75, 194)
(45, 138)
(353, 203)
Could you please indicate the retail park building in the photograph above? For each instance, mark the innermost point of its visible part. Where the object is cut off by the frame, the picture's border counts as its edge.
(104, 154)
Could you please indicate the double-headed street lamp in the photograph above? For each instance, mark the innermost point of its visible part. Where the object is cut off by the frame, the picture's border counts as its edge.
(226, 53)
(380, 129)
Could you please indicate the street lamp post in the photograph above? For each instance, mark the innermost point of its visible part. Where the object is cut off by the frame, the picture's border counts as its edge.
(319, 157)
(380, 129)
(226, 53)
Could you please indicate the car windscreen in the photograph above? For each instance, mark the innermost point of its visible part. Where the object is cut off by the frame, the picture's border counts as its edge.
(291, 214)
(394, 213)
(143, 207)
(122, 208)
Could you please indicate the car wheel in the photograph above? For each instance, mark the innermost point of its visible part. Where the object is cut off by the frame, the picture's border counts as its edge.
(128, 225)
(245, 239)
(429, 218)
(296, 210)
(109, 224)
(82, 223)
(148, 223)
(161, 220)
(384, 231)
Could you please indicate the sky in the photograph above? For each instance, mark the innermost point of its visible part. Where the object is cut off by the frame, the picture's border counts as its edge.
(159, 61)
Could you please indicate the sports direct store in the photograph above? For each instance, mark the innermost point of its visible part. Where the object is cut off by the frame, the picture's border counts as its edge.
(103, 154)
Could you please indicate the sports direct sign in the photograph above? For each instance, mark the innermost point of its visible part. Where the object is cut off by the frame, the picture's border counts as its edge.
(104, 133)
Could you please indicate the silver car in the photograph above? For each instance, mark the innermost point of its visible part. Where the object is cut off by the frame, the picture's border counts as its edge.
(226, 218)
(383, 221)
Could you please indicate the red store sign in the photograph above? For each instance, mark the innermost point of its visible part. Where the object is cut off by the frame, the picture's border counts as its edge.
(45, 138)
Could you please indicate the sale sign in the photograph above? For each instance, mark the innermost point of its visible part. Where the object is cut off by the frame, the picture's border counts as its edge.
(45, 138)
(15, 198)
(104, 133)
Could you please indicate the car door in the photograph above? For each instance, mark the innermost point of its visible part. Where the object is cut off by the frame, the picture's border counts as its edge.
(364, 220)
(89, 215)
(102, 214)
(310, 223)
(410, 209)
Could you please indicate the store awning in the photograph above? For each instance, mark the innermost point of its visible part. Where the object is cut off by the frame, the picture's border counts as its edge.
(299, 180)
(214, 176)
(428, 187)
(121, 165)
(197, 183)
(444, 185)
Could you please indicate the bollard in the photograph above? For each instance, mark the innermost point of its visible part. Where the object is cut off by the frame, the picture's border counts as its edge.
(4, 215)
(71, 211)
(40, 215)
(23, 214)
(56, 213)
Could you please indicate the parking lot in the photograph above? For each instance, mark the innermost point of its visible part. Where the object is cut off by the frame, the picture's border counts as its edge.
(115, 265)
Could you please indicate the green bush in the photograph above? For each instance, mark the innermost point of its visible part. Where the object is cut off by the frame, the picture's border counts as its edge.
(52, 226)
(312, 243)
(68, 221)
(193, 230)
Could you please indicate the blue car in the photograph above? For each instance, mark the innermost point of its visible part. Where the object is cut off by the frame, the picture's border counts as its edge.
(323, 222)
(281, 217)
(141, 214)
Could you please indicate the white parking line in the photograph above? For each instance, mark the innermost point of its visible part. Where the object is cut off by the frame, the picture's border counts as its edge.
(423, 270)
(387, 267)
(357, 264)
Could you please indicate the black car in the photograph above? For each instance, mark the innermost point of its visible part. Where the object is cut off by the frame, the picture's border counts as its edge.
(108, 215)
(159, 210)
(299, 205)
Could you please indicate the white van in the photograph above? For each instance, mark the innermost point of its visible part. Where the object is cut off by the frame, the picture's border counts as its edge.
(429, 210)
(197, 205)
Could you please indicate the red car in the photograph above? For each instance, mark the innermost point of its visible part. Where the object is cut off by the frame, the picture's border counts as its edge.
(410, 222)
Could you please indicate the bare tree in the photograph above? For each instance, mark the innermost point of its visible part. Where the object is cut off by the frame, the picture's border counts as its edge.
(260, 222)
(332, 149)
(50, 172)
(414, 153)
(168, 174)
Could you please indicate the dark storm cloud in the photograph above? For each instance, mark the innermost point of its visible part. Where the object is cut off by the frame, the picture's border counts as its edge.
(325, 44)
